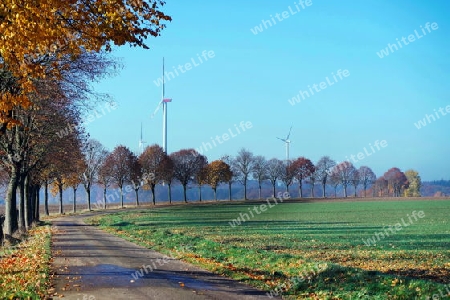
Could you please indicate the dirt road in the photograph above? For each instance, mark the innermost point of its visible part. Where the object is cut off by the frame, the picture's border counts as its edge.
(92, 264)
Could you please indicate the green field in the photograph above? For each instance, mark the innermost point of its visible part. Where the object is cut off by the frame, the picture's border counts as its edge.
(315, 250)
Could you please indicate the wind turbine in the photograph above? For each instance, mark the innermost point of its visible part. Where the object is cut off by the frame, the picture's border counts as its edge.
(141, 143)
(163, 103)
(287, 142)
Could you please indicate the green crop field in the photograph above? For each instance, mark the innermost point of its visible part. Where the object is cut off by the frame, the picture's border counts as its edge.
(318, 250)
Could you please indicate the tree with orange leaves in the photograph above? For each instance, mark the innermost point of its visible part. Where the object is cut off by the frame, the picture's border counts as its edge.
(36, 36)
(216, 172)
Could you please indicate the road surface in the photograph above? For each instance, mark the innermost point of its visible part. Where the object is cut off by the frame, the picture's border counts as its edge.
(92, 264)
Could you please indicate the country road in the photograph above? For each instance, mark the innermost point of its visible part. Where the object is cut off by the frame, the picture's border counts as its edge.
(92, 264)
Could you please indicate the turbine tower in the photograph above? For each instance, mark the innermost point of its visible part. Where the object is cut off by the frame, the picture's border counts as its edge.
(141, 143)
(287, 142)
(163, 103)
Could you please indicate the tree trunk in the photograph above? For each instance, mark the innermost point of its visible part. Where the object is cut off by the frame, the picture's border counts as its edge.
(46, 198)
(88, 196)
(215, 193)
(10, 224)
(28, 203)
(300, 190)
(355, 191)
(37, 204)
(229, 190)
(74, 199)
(169, 187)
(335, 191)
(22, 214)
(104, 197)
(184, 193)
(136, 191)
(345, 190)
(259, 193)
(245, 189)
(312, 190)
(121, 197)
(153, 194)
(60, 188)
(200, 193)
(323, 189)
(274, 189)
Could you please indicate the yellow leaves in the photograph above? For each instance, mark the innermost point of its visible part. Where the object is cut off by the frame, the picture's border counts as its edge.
(24, 270)
(28, 32)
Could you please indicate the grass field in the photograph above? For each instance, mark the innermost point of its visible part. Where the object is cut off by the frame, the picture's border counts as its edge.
(318, 250)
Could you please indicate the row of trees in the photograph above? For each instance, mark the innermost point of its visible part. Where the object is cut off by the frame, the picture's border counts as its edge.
(122, 167)
(50, 52)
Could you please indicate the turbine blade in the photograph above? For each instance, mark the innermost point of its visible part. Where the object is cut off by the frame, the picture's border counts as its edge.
(289, 133)
(156, 110)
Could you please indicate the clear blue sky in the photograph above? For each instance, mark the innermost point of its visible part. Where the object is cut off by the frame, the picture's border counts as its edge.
(252, 77)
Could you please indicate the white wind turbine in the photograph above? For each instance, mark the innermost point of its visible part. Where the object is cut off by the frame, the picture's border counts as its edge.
(141, 143)
(163, 103)
(287, 142)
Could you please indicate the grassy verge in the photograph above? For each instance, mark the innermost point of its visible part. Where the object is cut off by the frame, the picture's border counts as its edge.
(24, 269)
(306, 251)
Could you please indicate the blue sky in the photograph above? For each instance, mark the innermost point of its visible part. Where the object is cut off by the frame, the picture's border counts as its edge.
(251, 78)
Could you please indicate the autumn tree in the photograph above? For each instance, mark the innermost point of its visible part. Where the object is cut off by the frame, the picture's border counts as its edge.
(120, 159)
(243, 164)
(335, 181)
(260, 171)
(397, 181)
(167, 175)
(73, 178)
(136, 177)
(355, 180)
(201, 178)
(323, 171)
(37, 36)
(151, 161)
(34, 111)
(217, 172)
(312, 178)
(94, 155)
(104, 177)
(380, 185)
(303, 169)
(187, 162)
(274, 172)
(415, 183)
(367, 177)
(344, 172)
(230, 161)
(288, 173)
